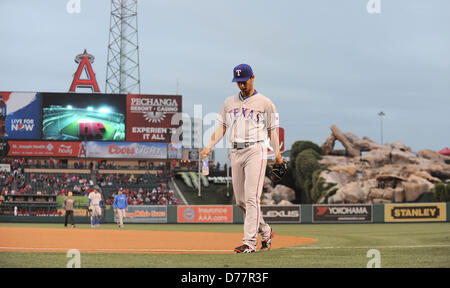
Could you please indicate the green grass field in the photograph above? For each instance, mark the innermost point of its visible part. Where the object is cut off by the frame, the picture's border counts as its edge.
(401, 245)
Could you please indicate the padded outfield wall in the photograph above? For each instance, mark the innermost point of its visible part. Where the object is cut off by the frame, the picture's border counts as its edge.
(232, 214)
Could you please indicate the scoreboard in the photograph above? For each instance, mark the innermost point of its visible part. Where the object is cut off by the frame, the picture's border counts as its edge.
(84, 117)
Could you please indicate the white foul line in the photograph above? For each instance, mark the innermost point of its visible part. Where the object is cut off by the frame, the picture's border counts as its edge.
(114, 250)
(368, 247)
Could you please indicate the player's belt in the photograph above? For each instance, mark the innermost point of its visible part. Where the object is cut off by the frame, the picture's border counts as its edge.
(242, 145)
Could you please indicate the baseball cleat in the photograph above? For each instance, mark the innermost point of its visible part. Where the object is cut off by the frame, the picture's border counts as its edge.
(244, 249)
(266, 244)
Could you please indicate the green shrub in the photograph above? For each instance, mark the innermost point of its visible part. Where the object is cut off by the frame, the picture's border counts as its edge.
(306, 163)
(441, 192)
(302, 145)
(320, 189)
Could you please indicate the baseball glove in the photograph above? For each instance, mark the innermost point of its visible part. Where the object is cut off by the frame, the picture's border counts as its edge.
(277, 171)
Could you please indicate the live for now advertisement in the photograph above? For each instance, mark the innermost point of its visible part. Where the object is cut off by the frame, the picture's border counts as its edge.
(340, 213)
(20, 115)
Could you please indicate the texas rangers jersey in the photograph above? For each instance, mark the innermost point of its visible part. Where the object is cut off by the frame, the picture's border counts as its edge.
(95, 198)
(248, 119)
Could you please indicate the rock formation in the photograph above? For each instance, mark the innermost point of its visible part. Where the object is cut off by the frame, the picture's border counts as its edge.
(278, 195)
(367, 172)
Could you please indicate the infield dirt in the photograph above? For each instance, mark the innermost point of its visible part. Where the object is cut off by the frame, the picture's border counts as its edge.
(128, 241)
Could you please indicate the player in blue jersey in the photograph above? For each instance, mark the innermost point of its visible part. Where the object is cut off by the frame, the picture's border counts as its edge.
(120, 206)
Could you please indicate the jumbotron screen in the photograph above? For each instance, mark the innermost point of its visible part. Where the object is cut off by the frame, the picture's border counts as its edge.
(74, 116)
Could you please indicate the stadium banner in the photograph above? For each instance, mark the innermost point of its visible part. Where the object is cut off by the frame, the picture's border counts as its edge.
(417, 212)
(281, 214)
(76, 212)
(145, 214)
(5, 168)
(45, 148)
(148, 150)
(83, 116)
(149, 117)
(20, 115)
(340, 213)
(174, 150)
(205, 214)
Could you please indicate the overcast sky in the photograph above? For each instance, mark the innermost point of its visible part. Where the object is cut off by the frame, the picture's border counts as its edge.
(322, 62)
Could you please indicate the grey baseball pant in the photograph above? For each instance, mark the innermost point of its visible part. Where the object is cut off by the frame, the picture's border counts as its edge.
(248, 171)
(120, 215)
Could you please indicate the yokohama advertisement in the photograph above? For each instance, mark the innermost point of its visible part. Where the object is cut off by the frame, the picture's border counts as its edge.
(205, 214)
(149, 117)
(281, 214)
(342, 213)
(45, 148)
(126, 150)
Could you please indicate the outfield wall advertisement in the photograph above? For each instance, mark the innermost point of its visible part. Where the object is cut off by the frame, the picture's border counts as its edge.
(281, 214)
(205, 214)
(415, 212)
(404, 212)
(340, 213)
(145, 214)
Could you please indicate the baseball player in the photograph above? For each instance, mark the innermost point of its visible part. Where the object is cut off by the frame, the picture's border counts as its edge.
(95, 203)
(120, 205)
(250, 118)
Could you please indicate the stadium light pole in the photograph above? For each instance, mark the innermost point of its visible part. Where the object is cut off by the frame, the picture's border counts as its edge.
(200, 145)
(381, 114)
(122, 68)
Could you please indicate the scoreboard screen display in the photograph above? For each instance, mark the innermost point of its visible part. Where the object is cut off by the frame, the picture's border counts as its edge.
(85, 117)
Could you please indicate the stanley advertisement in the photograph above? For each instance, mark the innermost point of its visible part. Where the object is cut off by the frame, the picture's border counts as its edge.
(421, 212)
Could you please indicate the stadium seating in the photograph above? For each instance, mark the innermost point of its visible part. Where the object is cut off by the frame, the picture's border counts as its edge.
(34, 184)
(191, 179)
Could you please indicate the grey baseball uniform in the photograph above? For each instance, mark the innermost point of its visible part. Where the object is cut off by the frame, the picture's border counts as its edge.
(247, 121)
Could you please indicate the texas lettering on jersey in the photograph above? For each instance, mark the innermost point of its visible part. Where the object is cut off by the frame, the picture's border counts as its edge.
(248, 119)
(245, 113)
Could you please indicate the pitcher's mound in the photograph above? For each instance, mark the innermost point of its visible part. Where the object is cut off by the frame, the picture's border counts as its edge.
(128, 241)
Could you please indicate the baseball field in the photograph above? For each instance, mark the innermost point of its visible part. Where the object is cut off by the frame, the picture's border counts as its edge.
(211, 246)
